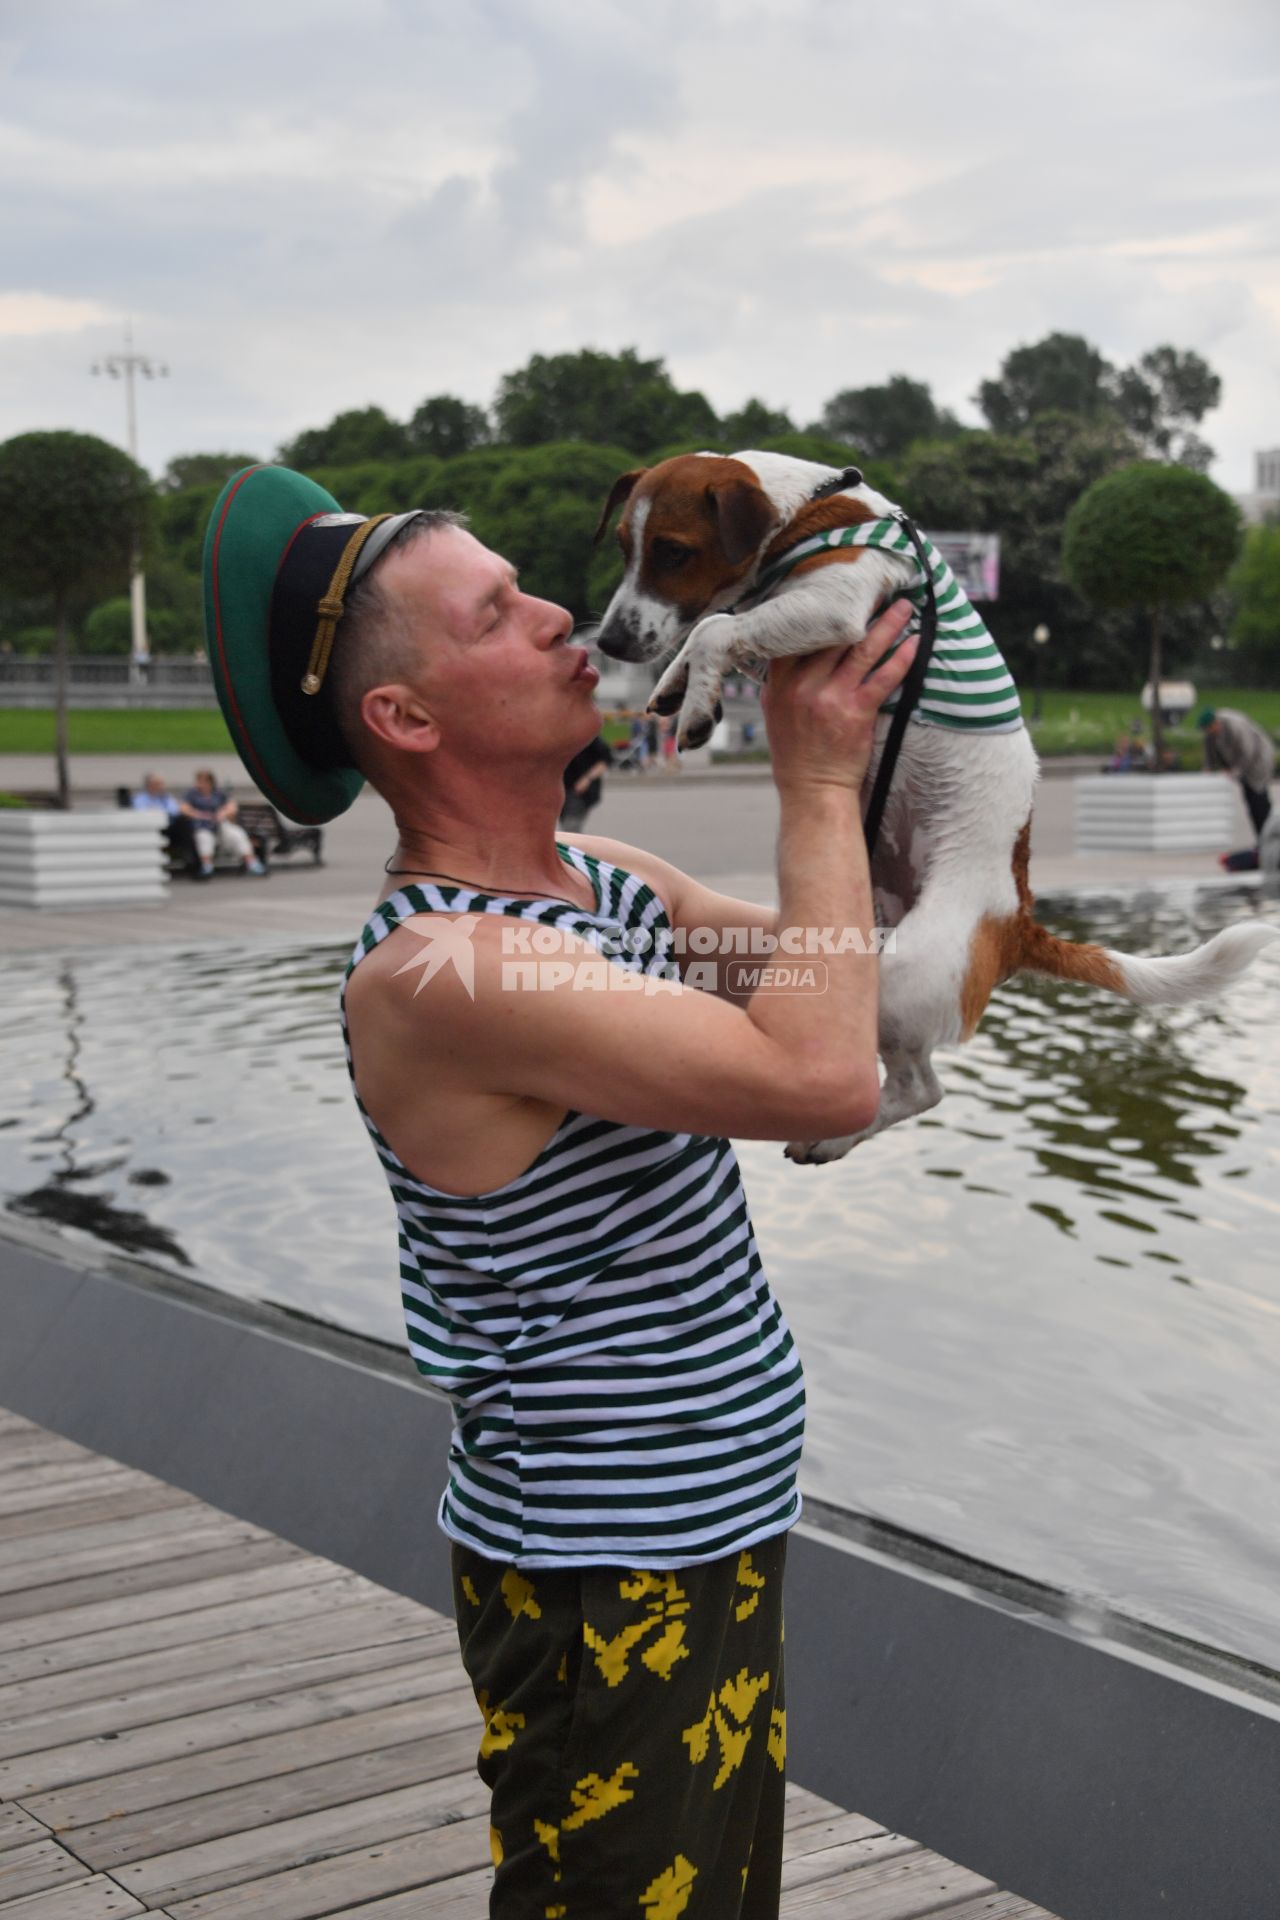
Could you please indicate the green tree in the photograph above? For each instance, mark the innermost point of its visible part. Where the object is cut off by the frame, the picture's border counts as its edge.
(72, 509)
(109, 628)
(752, 425)
(539, 507)
(1160, 400)
(446, 426)
(1062, 373)
(175, 615)
(1255, 594)
(363, 433)
(884, 421)
(180, 520)
(203, 470)
(1163, 399)
(1154, 537)
(1022, 487)
(611, 399)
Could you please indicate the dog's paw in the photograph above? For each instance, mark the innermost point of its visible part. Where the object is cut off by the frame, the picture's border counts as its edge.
(694, 732)
(668, 696)
(698, 728)
(820, 1153)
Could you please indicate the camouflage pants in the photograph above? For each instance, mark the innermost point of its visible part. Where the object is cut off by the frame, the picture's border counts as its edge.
(634, 1736)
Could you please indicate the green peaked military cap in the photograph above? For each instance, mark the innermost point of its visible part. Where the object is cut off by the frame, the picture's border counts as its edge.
(279, 556)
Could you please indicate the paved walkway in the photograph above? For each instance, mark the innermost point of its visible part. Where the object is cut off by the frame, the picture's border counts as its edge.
(201, 1722)
(720, 828)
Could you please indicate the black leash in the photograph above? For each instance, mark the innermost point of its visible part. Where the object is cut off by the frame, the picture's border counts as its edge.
(908, 694)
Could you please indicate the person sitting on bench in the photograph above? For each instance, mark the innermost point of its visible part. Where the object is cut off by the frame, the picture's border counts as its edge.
(154, 796)
(213, 819)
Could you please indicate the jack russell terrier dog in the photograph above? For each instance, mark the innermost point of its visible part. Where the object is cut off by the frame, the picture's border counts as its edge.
(731, 561)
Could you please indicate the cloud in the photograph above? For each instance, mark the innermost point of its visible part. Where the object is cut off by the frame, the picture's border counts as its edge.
(309, 206)
(43, 313)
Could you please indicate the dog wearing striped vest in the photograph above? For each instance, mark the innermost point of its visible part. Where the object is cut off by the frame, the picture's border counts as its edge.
(732, 561)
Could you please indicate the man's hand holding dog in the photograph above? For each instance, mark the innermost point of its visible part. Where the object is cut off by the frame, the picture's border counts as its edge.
(821, 708)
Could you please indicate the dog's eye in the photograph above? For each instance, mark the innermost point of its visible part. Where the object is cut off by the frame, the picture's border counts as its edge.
(667, 555)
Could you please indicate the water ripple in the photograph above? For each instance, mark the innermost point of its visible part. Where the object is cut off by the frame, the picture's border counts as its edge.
(1041, 1324)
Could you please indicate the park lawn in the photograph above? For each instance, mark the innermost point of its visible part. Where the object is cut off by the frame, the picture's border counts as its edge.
(1083, 723)
(137, 730)
(1091, 722)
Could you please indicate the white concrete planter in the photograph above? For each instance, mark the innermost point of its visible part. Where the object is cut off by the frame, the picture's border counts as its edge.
(1155, 813)
(110, 858)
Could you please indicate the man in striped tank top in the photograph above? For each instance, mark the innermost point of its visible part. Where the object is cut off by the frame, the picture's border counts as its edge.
(552, 1107)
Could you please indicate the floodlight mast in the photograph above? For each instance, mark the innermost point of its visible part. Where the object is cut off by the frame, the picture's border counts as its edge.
(125, 366)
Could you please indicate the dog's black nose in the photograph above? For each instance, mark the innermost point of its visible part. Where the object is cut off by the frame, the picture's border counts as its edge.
(617, 644)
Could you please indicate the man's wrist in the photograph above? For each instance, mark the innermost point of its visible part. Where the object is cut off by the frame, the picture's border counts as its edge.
(818, 790)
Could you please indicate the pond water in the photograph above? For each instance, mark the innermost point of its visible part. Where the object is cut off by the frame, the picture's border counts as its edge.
(1040, 1325)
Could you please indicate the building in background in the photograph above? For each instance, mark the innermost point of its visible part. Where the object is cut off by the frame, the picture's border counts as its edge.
(1264, 502)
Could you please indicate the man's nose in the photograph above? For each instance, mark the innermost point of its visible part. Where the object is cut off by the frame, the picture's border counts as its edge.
(559, 622)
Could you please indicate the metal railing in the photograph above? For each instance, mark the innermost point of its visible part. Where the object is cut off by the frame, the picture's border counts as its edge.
(115, 681)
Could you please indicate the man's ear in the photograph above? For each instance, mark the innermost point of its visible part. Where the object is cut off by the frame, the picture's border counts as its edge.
(744, 514)
(620, 491)
(396, 716)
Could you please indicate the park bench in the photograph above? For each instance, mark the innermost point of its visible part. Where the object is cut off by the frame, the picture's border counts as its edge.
(279, 838)
(272, 838)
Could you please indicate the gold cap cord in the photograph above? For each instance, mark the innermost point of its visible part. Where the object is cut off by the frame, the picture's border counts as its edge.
(330, 609)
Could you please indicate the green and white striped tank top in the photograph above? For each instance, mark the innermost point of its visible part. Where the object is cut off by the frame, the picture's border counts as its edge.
(625, 1387)
(967, 685)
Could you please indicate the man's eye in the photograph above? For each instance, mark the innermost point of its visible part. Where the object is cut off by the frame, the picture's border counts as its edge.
(667, 555)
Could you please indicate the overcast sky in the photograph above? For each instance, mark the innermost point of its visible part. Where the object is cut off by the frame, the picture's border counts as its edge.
(306, 206)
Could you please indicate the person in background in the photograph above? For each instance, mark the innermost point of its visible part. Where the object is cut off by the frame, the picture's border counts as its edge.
(1130, 755)
(1236, 744)
(1269, 848)
(584, 783)
(638, 743)
(153, 796)
(213, 825)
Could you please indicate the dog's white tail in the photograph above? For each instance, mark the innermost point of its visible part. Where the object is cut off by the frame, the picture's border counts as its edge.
(1181, 977)
(1168, 982)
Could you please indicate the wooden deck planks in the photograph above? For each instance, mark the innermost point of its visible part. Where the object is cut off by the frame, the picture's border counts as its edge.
(203, 1625)
(94, 1899)
(35, 1868)
(165, 1607)
(200, 1722)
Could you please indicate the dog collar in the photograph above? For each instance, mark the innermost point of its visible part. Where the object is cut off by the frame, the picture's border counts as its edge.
(779, 569)
(868, 533)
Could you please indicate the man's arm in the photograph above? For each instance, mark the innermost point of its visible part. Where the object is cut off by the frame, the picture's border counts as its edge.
(572, 1030)
(592, 773)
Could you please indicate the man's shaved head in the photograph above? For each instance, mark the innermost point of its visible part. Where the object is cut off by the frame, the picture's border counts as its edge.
(378, 642)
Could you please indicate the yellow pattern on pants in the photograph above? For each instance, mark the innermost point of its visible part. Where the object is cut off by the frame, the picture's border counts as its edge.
(634, 1736)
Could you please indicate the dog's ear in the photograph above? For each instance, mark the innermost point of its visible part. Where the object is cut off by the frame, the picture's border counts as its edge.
(744, 514)
(620, 491)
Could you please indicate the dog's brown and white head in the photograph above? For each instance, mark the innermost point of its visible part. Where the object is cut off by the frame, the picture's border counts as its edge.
(691, 531)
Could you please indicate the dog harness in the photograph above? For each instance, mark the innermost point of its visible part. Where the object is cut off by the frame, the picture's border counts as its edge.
(967, 685)
(625, 1387)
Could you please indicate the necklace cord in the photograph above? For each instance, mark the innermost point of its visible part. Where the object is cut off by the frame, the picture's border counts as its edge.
(474, 886)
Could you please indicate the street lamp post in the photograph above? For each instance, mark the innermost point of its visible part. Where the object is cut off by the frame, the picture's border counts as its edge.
(1041, 640)
(124, 366)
